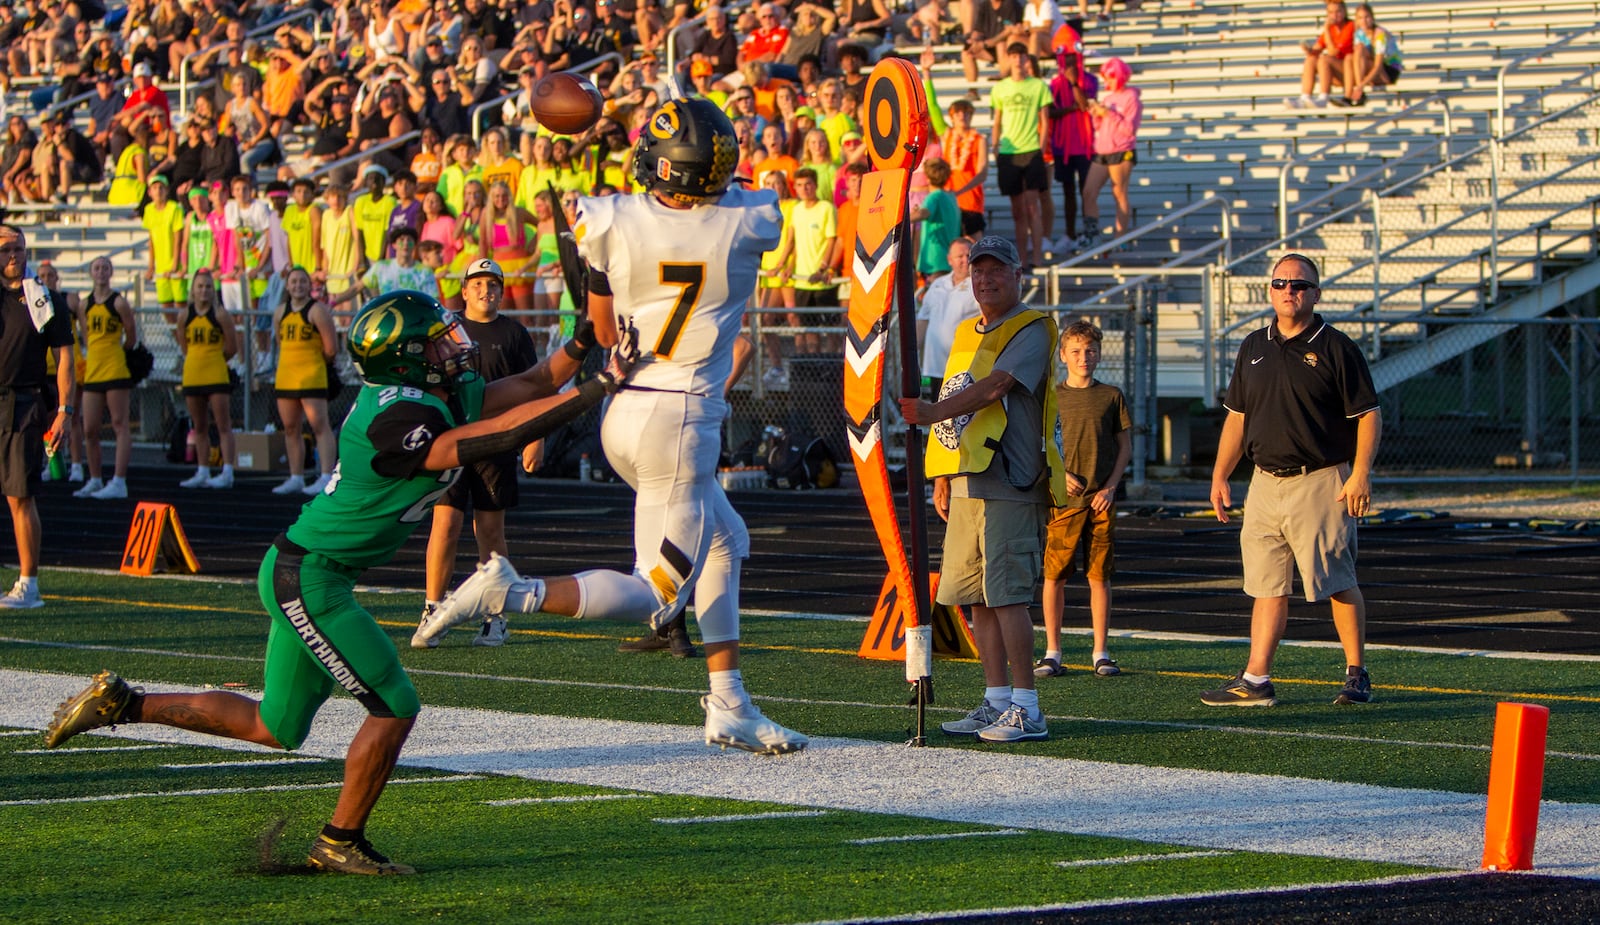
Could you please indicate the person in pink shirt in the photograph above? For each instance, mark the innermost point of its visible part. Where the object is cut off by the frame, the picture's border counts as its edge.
(1071, 132)
(1116, 116)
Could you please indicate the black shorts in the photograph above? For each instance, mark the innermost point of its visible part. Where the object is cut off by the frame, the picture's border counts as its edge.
(972, 223)
(1121, 157)
(490, 485)
(110, 385)
(202, 391)
(1391, 73)
(817, 298)
(1073, 169)
(1020, 173)
(22, 424)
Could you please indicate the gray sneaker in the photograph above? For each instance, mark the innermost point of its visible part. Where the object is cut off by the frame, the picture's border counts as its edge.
(494, 631)
(976, 721)
(1015, 726)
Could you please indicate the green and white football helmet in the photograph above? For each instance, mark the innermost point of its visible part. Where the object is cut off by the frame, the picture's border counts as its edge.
(406, 337)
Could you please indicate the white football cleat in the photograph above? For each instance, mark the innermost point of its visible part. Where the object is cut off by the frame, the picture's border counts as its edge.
(483, 593)
(747, 728)
(494, 632)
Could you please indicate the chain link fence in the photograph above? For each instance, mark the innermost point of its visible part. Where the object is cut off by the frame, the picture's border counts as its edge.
(1523, 403)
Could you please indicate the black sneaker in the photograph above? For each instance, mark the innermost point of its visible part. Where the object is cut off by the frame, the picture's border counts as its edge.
(353, 857)
(1241, 693)
(1357, 688)
(678, 639)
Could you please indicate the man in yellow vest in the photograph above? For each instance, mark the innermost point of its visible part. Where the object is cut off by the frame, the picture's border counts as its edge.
(994, 473)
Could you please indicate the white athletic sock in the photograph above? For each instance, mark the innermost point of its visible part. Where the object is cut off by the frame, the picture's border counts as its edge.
(1053, 653)
(999, 697)
(1257, 679)
(1101, 655)
(29, 583)
(728, 688)
(1028, 699)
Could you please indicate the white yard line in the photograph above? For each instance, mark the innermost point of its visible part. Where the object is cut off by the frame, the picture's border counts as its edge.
(1204, 809)
(740, 817)
(1141, 858)
(222, 791)
(583, 798)
(886, 839)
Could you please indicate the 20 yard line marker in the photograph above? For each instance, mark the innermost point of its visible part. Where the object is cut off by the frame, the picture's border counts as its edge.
(882, 839)
(224, 791)
(1142, 858)
(741, 817)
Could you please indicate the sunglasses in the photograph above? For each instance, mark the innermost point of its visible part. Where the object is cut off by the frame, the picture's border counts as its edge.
(1294, 285)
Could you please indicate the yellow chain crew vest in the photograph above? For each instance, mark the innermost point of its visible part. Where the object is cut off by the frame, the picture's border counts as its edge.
(966, 445)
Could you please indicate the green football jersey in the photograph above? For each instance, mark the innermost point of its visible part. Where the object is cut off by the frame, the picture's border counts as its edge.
(380, 491)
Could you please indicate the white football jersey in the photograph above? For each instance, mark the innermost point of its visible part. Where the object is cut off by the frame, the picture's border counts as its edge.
(681, 278)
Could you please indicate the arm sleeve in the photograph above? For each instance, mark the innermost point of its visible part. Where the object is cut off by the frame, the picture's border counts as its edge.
(401, 436)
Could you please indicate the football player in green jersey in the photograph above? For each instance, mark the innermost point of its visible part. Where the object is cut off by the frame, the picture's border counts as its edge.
(422, 414)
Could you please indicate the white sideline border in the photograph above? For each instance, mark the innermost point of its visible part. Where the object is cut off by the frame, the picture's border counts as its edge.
(1159, 636)
(1202, 809)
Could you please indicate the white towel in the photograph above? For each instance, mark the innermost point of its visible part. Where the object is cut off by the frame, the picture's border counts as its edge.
(38, 298)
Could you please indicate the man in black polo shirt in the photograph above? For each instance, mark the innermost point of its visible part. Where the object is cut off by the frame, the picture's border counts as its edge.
(26, 332)
(1302, 406)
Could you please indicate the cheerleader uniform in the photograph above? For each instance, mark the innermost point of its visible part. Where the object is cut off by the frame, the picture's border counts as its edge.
(105, 368)
(302, 368)
(205, 369)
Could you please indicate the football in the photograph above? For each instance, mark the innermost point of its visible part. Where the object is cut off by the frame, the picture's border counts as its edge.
(566, 103)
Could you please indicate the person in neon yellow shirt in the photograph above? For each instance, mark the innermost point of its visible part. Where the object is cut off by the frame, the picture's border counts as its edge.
(163, 219)
(1021, 129)
(372, 210)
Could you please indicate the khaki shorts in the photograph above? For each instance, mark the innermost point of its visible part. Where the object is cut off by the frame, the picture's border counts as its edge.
(992, 552)
(1297, 522)
(1072, 528)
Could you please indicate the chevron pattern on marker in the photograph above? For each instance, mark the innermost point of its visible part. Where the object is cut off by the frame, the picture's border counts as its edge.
(868, 267)
(864, 437)
(863, 351)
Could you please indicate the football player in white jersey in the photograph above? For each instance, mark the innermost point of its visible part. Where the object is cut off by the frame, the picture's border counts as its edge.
(672, 269)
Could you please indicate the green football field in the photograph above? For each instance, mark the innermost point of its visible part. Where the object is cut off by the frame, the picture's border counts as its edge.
(556, 780)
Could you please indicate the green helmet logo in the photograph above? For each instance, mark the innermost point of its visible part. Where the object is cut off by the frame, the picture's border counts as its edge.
(407, 338)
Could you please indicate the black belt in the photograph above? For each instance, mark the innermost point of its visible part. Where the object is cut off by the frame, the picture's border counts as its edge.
(1292, 471)
(290, 548)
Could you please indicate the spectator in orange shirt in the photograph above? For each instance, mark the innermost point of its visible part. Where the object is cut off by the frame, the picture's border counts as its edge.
(766, 42)
(1325, 58)
(774, 154)
(758, 78)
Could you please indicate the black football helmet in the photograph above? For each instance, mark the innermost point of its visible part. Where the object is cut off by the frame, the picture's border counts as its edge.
(687, 151)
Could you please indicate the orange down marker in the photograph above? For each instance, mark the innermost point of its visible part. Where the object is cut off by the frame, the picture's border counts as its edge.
(1516, 781)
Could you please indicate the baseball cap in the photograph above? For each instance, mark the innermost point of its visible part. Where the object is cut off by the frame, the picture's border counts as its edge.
(483, 266)
(997, 247)
(700, 69)
(160, 178)
(143, 69)
(806, 111)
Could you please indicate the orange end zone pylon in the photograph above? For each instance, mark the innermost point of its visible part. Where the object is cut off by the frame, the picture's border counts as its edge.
(156, 542)
(1516, 782)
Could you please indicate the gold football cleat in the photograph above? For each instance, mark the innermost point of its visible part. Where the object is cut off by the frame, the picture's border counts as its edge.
(103, 703)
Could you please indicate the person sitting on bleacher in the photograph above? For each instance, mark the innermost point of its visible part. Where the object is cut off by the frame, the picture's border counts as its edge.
(994, 25)
(1376, 62)
(16, 157)
(75, 158)
(1325, 58)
